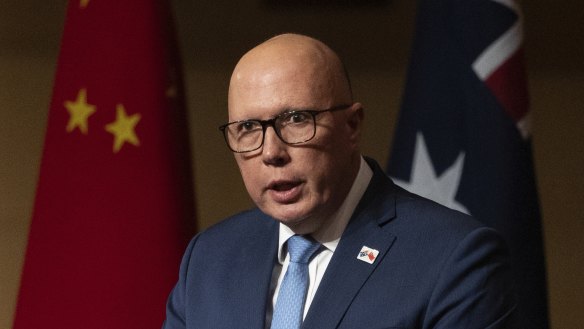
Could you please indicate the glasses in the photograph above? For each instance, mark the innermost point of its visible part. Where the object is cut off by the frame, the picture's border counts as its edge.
(292, 127)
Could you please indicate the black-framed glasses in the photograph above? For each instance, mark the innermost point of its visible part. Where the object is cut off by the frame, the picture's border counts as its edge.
(292, 127)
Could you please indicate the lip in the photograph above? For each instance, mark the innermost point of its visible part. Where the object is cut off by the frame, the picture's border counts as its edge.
(284, 191)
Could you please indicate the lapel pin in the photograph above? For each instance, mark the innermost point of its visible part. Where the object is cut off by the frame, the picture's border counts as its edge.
(367, 254)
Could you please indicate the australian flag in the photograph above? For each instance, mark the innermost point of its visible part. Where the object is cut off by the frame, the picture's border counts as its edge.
(463, 135)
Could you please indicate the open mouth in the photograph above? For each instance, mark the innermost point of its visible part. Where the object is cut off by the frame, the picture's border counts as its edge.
(283, 186)
(285, 191)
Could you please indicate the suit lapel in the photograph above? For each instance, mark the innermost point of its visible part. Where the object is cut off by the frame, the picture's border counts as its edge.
(346, 274)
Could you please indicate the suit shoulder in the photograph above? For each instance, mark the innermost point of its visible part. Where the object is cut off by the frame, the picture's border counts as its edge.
(243, 225)
(417, 210)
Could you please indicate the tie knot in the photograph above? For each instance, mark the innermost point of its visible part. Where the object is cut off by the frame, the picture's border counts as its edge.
(301, 248)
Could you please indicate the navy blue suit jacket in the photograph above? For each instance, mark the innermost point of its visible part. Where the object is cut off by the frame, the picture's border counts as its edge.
(436, 268)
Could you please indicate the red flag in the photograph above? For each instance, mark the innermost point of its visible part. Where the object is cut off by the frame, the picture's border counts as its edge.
(114, 203)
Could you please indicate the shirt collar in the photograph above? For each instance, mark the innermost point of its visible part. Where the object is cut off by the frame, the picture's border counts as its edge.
(330, 233)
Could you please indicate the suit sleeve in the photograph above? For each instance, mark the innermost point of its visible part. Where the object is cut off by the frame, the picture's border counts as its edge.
(175, 306)
(474, 289)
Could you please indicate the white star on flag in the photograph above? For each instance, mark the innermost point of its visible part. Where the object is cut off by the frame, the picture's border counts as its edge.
(425, 182)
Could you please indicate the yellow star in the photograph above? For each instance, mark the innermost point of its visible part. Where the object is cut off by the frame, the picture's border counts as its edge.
(79, 112)
(123, 128)
(83, 3)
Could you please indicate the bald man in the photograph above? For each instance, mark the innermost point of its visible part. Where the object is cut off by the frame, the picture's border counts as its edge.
(380, 257)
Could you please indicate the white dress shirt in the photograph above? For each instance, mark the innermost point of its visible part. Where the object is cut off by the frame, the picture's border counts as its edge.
(328, 235)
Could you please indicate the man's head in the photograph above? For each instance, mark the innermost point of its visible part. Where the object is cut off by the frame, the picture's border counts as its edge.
(300, 185)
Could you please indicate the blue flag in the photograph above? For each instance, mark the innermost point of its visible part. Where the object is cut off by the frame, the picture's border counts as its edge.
(463, 135)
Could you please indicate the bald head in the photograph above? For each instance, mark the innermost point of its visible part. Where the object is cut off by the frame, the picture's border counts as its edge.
(295, 65)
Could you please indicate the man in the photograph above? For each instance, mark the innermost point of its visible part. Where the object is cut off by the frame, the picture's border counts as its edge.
(379, 257)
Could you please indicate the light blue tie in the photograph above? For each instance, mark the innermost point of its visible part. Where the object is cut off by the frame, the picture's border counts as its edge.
(290, 304)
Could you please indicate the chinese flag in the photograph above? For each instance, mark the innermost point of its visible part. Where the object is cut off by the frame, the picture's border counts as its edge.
(114, 202)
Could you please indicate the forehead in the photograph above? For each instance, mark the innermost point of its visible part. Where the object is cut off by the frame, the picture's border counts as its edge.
(266, 91)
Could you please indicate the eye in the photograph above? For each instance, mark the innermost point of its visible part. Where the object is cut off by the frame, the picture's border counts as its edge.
(247, 126)
(296, 118)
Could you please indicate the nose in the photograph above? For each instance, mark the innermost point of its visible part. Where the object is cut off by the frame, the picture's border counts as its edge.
(274, 151)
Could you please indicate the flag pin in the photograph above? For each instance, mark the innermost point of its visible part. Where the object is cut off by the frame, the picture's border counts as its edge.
(367, 254)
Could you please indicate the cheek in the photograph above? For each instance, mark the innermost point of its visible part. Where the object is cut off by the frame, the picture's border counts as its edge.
(331, 165)
(320, 167)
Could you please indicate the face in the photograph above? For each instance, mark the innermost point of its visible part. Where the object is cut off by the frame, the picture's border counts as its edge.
(299, 185)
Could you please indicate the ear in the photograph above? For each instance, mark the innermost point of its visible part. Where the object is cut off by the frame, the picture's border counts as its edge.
(355, 117)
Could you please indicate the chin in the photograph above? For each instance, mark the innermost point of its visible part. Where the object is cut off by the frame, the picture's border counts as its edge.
(299, 222)
(285, 213)
(289, 218)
